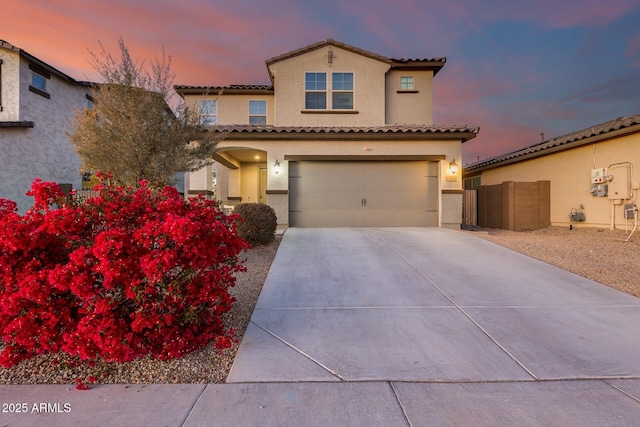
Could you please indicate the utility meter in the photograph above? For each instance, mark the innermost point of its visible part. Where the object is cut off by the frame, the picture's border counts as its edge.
(598, 176)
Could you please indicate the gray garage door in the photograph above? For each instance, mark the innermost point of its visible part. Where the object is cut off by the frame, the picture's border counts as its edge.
(363, 194)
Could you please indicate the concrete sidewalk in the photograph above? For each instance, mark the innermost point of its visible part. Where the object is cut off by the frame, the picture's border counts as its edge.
(398, 326)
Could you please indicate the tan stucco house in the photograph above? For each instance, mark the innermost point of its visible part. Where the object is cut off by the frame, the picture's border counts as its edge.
(342, 137)
(593, 173)
(37, 106)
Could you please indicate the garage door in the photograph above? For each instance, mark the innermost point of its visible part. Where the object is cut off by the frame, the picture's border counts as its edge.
(363, 194)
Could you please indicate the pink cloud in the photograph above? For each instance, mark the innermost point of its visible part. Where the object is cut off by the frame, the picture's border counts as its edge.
(210, 44)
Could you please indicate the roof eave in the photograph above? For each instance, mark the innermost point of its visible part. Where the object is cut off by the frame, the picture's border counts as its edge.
(434, 64)
(244, 133)
(215, 90)
(495, 163)
(39, 63)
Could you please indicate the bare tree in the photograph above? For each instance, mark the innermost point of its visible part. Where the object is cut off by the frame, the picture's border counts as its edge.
(131, 131)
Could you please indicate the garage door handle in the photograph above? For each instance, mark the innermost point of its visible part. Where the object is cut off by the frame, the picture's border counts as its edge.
(364, 202)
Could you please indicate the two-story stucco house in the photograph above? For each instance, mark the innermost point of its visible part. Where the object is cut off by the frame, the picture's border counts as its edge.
(37, 106)
(342, 137)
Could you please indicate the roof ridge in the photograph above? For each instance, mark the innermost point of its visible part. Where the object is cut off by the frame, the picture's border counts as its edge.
(326, 42)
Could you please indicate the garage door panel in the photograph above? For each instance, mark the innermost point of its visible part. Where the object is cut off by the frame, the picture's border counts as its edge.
(326, 218)
(331, 194)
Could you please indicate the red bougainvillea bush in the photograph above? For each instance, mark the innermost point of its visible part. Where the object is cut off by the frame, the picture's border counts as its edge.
(129, 273)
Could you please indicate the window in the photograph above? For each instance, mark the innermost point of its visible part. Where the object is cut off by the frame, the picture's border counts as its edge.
(39, 77)
(316, 91)
(90, 101)
(257, 112)
(315, 86)
(472, 183)
(342, 91)
(406, 83)
(208, 111)
(38, 81)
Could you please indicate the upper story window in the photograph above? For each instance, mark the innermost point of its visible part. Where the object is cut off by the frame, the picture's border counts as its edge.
(208, 109)
(38, 81)
(39, 78)
(258, 112)
(406, 83)
(342, 91)
(90, 101)
(316, 91)
(315, 87)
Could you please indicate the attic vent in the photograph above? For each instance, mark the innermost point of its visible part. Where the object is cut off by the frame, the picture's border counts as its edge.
(329, 56)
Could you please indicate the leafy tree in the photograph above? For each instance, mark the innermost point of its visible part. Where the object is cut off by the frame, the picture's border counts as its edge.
(131, 131)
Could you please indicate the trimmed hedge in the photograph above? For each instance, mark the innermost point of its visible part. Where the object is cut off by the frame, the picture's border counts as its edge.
(258, 225)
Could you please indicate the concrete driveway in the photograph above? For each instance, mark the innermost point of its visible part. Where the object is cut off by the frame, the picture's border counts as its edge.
(441, 325)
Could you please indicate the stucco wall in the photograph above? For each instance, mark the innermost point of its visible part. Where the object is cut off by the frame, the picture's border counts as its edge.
(368, 97)
(43, 151)
(234, 109)
(10, 86)
(201, 180)
(407, 107)
(570, 175)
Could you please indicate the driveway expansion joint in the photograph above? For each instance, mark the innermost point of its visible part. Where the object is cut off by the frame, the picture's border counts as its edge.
(307, 356)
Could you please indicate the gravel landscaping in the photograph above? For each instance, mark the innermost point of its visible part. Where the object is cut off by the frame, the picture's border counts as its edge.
(598, 254)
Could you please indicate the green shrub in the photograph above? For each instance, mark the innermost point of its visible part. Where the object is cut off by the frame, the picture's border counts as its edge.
(259, 223)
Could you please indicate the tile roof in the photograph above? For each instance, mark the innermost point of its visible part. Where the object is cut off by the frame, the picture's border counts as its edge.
(574, 139)
(219, 90)
(435, 63)
(250, 87)
(463, 132)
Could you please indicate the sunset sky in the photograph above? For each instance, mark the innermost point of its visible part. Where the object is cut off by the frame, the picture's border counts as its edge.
(516, 68)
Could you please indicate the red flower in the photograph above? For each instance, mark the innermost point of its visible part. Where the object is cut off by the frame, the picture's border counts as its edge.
(130, 273)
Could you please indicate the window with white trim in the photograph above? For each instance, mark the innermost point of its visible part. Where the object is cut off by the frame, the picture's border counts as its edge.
(406, 83)
(258, 112)
(342, 91)
(315, 86)
(208, 109)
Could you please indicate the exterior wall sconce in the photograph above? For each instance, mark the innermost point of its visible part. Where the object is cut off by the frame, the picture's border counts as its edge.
(276, 167)
(453, 167)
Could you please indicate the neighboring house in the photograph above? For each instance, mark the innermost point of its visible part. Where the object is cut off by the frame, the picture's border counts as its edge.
(37, 106)
(343, 137)
(594, 173)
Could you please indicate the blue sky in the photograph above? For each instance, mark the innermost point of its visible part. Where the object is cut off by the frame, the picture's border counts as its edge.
(516, 68)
